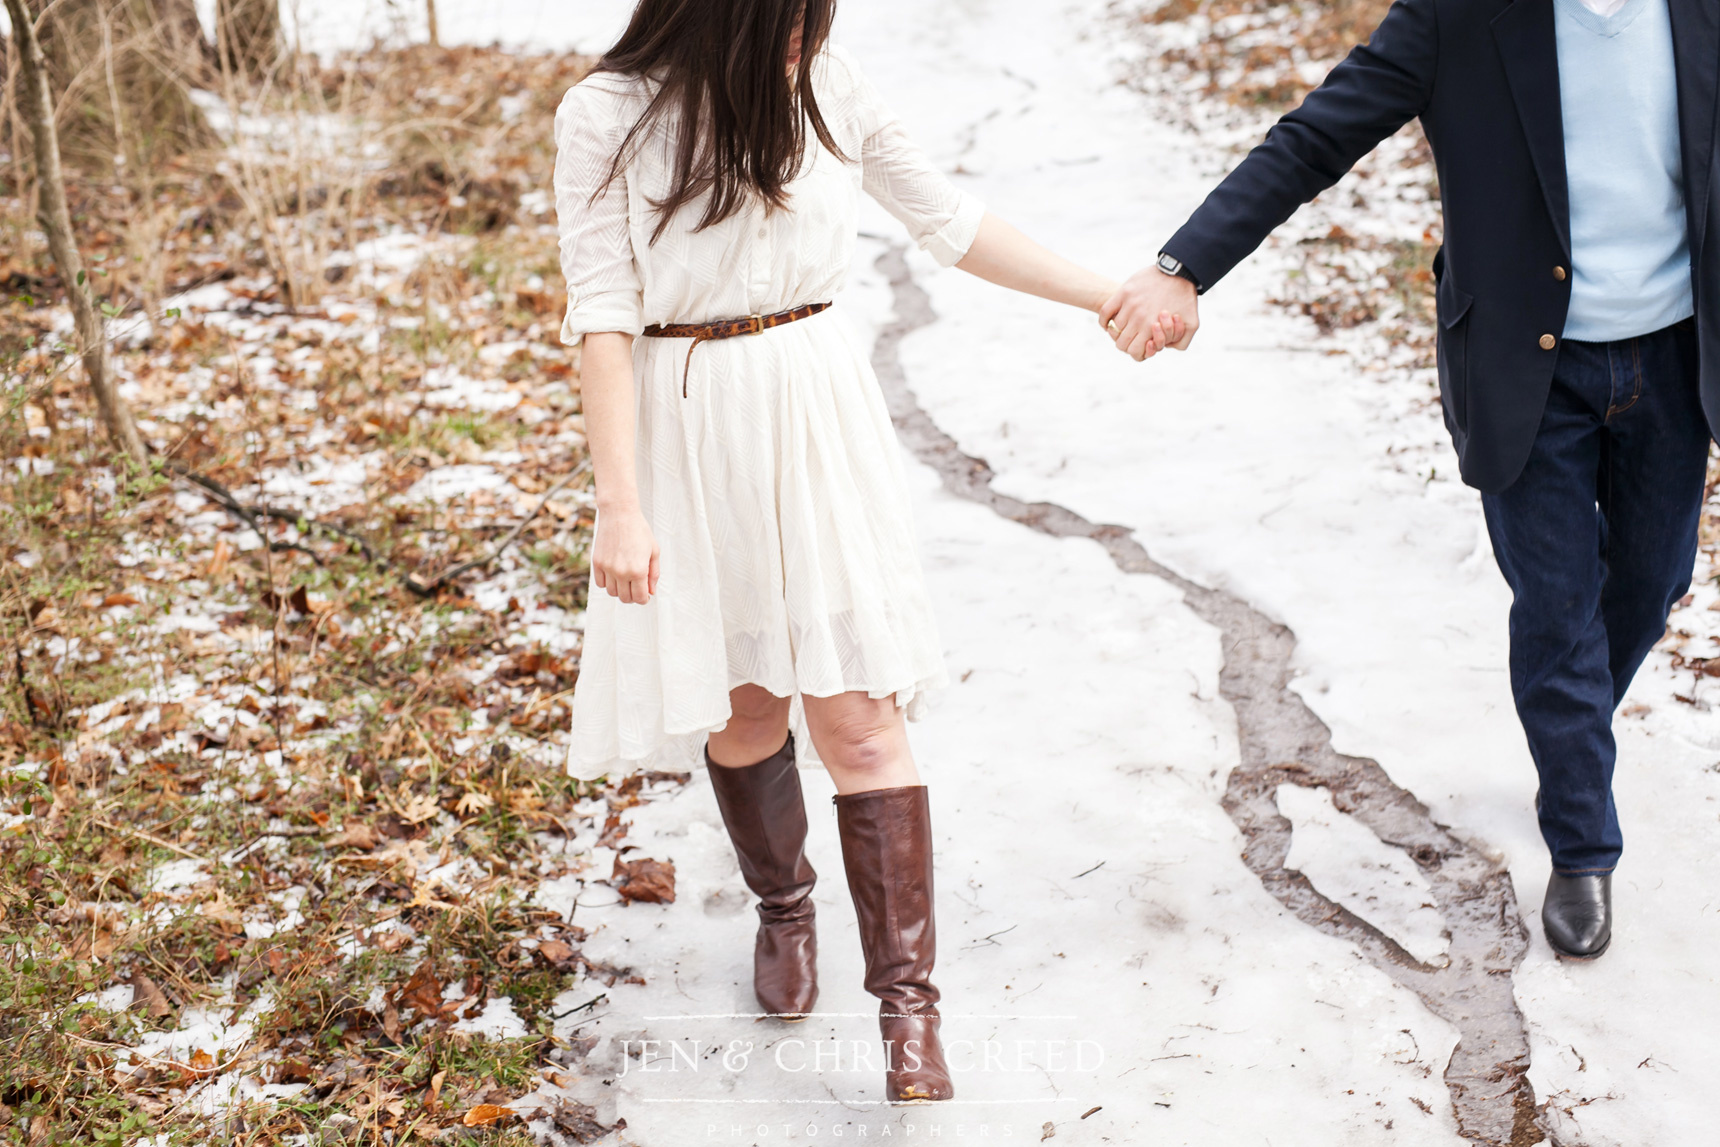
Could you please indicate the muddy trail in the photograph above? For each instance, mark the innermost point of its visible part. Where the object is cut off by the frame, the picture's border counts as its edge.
(1283, 742)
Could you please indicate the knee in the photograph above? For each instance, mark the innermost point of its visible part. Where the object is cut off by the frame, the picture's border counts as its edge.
(859, 745)
(755, 715)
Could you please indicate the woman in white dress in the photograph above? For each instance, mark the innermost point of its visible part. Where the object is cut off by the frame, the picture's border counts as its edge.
(754, 541)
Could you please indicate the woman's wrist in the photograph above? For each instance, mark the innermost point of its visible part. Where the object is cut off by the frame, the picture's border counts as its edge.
(626, 502)
(1098, 294)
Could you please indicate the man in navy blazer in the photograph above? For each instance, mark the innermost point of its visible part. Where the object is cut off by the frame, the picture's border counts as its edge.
(1579, 340)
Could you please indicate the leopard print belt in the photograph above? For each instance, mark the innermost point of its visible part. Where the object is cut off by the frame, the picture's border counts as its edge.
(727, 329)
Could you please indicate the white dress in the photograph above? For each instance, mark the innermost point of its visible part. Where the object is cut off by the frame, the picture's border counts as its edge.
(775, 488)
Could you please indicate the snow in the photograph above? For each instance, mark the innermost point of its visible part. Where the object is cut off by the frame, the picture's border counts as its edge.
(175, 875)
(1086, 730)
(1354, 867)
(1090, 886)
(497, 1021)
(220, 1031)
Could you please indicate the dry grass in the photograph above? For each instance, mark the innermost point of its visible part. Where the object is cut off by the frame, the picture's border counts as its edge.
(241, 765)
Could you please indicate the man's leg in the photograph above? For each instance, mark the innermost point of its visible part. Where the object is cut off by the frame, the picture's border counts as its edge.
(1655, 471)
(1547, 536)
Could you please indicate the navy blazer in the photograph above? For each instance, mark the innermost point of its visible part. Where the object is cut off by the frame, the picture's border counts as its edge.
(1483, 76)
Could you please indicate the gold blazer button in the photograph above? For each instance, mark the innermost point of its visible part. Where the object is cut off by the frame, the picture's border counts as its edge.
(1548, 342)
(1559, 274)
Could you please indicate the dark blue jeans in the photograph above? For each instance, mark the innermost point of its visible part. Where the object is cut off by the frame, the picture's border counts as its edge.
(1597, 540)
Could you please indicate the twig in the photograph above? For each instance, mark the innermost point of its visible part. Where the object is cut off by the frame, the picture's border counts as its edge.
(239, 854)
(253, 516)
(155, 840)
(586, 1006)
(426, 589)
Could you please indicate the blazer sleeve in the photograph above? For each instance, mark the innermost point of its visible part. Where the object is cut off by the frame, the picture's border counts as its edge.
(604, 291)
(941, 218)
(1378, 88)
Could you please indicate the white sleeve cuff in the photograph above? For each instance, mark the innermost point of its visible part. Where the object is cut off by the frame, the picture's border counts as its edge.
(949, 244)
(622, 312)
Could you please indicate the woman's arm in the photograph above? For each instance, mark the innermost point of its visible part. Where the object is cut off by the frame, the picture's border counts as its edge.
(1000, 254)
(624, 558)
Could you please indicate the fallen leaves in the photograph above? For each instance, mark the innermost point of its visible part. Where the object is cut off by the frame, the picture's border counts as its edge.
(356, 834)
(422, 992)
(473, 801)
(486, 1115)
(557, 954)
(644, 881)
(578, 1121)
(147, 995)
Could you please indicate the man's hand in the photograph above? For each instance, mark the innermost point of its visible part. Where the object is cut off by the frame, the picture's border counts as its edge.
(1151, 311)
(625, 559)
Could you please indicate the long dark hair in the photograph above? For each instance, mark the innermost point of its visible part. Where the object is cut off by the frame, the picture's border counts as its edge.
(741, 119)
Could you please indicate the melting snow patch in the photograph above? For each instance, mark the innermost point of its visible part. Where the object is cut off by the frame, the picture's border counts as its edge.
(177, 874)
(447, 482)
(496, 1022)
(1352, 866)
(449, 388)
(216, 1032)
(115, 999)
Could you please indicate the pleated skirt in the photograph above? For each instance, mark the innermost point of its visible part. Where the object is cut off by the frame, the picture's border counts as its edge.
(777, 494)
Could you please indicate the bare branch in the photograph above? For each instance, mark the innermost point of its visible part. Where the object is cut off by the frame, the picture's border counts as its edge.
(36, 102)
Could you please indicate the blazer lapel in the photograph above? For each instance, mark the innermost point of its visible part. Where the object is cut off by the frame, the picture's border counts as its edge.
(1696, 48)
(1530, 52)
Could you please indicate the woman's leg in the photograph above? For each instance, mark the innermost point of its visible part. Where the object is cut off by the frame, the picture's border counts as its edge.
(758, 726)
(758, 792)
(885, 823)
(864, 742)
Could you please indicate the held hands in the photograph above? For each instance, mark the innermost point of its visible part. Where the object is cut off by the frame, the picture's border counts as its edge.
(1150, 312)
(625, 559)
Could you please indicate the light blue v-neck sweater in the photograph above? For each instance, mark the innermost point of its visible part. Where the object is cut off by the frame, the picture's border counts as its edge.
(1630, 251)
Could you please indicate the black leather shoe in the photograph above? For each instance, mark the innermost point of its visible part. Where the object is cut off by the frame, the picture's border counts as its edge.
(1577, 915)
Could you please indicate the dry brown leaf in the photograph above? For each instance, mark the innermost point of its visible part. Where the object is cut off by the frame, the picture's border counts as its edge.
(222, 912)
(218, 560)
(357, 834)
(644, 881)
(434, 1095)
(146, 995)
(473, 801)
(423, 991)
(556, 952)
(486, 1115)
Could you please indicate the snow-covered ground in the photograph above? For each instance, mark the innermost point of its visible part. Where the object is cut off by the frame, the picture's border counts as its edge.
(1103, 945)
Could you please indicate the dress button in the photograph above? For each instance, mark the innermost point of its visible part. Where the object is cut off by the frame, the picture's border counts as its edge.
(761, 232)
(1548, 342)
(1559, 274)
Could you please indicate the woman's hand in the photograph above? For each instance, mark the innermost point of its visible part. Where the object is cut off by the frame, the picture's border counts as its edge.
(1138, 317)
(625, 559)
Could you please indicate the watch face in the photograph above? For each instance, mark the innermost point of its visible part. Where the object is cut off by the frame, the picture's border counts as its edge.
(1169, 265)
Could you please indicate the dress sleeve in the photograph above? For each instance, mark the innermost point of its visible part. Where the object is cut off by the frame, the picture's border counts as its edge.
(604, 291)
(942, 219)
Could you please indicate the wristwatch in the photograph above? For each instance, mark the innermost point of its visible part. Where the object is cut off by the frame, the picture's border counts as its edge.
(1173, 266)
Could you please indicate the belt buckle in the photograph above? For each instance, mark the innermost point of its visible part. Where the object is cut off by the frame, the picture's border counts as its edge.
(755, 324)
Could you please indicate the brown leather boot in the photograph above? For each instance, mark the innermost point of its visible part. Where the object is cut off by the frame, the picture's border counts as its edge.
(887, 849)
(765, 813)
